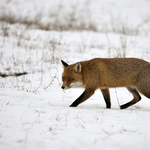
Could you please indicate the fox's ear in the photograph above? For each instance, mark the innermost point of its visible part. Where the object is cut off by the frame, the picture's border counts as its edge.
(64, 64)
(77, 68)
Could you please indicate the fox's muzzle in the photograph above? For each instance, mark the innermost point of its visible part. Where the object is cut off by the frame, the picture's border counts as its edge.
(65, 87)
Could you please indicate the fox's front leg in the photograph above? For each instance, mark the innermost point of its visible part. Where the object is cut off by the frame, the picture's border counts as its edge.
(83, 97)
(106, 96)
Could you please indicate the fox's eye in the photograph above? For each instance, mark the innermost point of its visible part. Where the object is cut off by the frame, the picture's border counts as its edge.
(71, 79)
(63, 78)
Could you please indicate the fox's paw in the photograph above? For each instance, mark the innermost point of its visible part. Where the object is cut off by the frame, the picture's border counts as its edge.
(72, 105)
(108, 106)
(123, 106)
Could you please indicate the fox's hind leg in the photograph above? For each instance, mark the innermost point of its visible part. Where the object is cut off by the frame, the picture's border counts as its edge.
(145, 91)
(136, 98)
(106, 96)
(143, 82)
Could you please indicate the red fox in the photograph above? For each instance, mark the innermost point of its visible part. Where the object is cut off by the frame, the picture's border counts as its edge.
(105, 73)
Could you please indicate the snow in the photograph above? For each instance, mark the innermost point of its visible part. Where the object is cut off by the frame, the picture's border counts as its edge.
(34, 110)
(45, 121)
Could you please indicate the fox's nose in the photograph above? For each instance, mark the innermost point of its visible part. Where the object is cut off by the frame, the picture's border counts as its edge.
(62, 87)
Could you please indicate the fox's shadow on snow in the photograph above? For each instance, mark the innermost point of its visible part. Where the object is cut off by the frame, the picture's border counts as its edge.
(102, 107)
(66, 104)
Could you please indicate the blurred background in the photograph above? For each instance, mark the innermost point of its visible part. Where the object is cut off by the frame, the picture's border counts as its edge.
(36, 34)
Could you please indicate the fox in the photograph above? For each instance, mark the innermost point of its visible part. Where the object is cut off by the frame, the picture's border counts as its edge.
(105, 73)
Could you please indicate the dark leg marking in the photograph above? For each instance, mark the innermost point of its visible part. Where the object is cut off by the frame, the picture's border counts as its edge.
(83, 97)
(136, 98)
(106, 96)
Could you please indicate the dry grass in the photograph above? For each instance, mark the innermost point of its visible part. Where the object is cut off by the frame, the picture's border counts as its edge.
(60, 20)
(74, 19)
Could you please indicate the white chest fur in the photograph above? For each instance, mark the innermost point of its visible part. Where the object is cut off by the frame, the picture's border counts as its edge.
(77, 85)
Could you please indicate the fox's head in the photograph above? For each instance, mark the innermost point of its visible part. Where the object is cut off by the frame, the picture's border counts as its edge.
(71, 76)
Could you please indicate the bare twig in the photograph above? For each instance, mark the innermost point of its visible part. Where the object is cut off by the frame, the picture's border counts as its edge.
(4, 75)
(50, 82)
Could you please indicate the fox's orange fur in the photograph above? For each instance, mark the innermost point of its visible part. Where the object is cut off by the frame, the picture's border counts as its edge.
(102, 73)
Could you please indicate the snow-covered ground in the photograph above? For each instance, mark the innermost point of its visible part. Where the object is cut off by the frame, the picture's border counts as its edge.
(34, 110)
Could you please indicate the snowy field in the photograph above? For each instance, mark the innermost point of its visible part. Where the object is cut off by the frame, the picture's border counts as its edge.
(34, 111)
